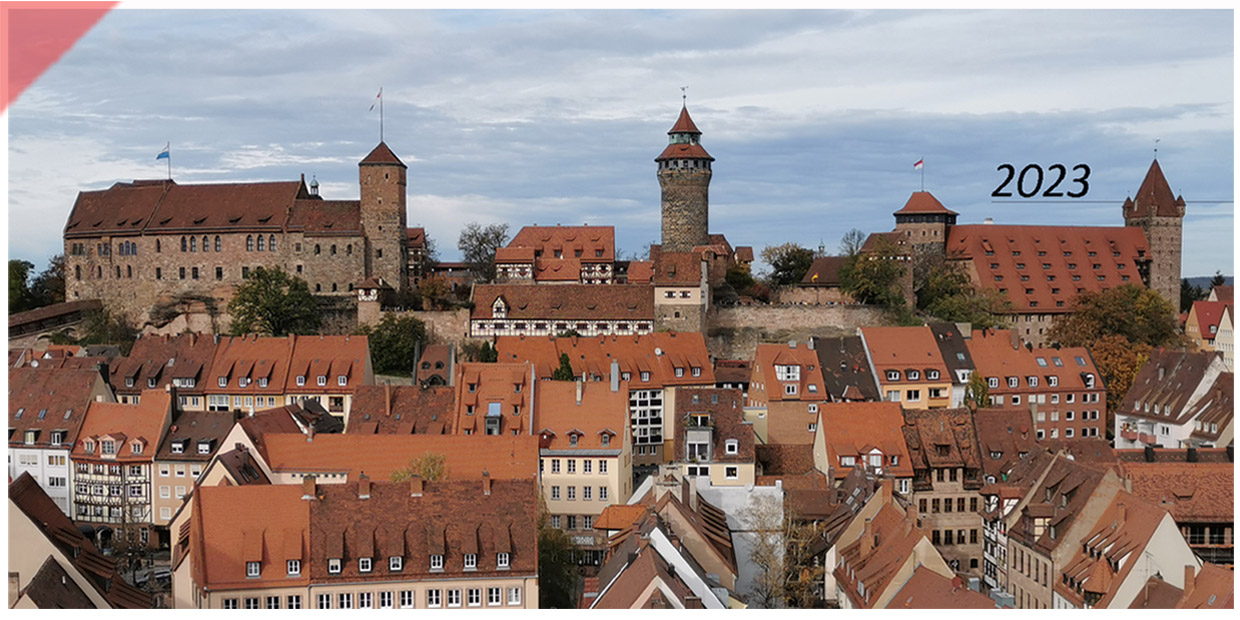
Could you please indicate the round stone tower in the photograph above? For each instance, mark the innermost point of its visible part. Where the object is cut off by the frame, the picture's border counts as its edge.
(684, 177)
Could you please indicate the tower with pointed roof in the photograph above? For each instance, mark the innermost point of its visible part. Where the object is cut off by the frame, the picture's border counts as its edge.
(1160, 213)
(925, 222)
(684, 178)
(382, 178)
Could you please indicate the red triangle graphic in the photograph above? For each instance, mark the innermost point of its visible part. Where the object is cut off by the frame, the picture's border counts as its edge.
(36, 35)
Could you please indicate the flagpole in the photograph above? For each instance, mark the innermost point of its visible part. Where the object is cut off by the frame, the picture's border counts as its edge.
(169, 148)
(381, 114)
(923, 174)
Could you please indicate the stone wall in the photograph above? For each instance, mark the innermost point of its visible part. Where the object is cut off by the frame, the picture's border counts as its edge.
(443, 327)
(734, 333)
(813, 295)
(685, 199)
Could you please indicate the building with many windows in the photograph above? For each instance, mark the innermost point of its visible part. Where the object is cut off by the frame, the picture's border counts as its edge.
(786, 391)
(190, 443)
(908, 366)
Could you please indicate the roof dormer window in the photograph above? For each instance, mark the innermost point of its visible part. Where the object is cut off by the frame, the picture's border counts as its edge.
(932, 375)
(893, 375)
(150, 383)
(301, 380)
(178, 446)
(322, 380)
(204, 446)
(680, 372)
(107, 447)
(243, 381)
(223, 381)
(342, 380)
(128, 382)
(913, 375)
(732, 446)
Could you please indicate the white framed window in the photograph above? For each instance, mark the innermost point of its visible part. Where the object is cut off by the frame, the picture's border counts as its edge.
(932, 375)
(912, 395)
(474, 597)
(385, 600)
(364, 565)
(322, 380)
(346, 600)
(230, 603)
(406, 599)
(223, 381)
(165, 513)
(680, 372)
(273, 602)
(252, 570)
(434, 598)
(790, 389)
(333, 566)
(1016, 399)
(992, 382)
(501, 560)
(730, 472)
(555, 492)
(813, 407)
(893, 396)
(602, 494)
(1054, 399)
(437, 562)
(697, 371)
(165, 491)
(1052, 381)
(731, 446)
(602, 466)
(495, 596)
(195, 471)
(913, 375)
(514, 596)
(294, 568)
(1032, 381)
(1013, 382)
(471, 561)
(293, 601)
(301, 380)
(342, 380)
(396, 563)
(325, 601)
(365, 600)
(893, 375)
(454, 597)
(585, 492)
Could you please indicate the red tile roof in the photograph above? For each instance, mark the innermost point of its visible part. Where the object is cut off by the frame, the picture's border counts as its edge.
(659, 354)
(481, 388)
(733, 371)
(505, 457)
(1213, 413)
(233, 525)
(402, 410)
(1002, 255)
(723, 406)
(330, 356)
(52, 311)
(994, 355)
(382, 155)
(1223, 292)
(684, 124)
(1154, 197)
(1126, 527)
(1191, 492)
(905, 348)
(253, 358)
(50, 400)
(876, 565)
(641, 272)
(415, 237)
(1169, 380)
(855, 429)
(825, 271)
(926, 589)
(810, 386)
(144, 423)
(325, 218)
(1209, 313)
(1213, 587)
(163, 359)
(225, 206)
(567, 302)
(568, 240)
(924, 202)
(678, 269)
(785, 459)
(600, 412)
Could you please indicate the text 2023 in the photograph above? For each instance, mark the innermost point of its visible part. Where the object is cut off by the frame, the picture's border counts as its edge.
(1032, 175)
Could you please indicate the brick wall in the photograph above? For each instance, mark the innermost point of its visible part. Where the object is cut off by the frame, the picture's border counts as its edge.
(734, 333)
(685, 208)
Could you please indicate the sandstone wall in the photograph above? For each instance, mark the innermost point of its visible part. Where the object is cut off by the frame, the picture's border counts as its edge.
(813, 295)
(734, 333)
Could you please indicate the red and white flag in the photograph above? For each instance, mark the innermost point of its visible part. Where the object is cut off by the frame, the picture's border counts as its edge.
(379, 98)
(917, 166)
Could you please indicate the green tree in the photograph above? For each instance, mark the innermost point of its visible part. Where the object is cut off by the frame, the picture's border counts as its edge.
(478, 244)
(789, 263)
(1218, 279)
(19, 285)
(740, 279)
(557, 565)
(976, 393)
(431, 466)
(874, 277)
(1139, 315)
(274, 303)
(1189, 294)
(565, 371)
(394, 342)
(488, 354)
(104, 327)
(49, 286)
(948, 294)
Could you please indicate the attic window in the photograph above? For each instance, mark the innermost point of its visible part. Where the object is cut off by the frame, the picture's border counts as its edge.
(942, 449)
(301, 380)
(731, 447)
(342, 380)
(223, 381)
(322, 380)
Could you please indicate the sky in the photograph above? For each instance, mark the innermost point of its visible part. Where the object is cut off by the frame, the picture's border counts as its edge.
(815, 118)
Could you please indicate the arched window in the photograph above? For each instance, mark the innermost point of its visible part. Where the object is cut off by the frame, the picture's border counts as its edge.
(206, 244)
(193, 244)
(77, 272)
(99, 272)
(218, 247)
(271, 243)
(184, 245)
(333, 249)
(348, 249)
(261, 243)
(317, 249)
(249, 243)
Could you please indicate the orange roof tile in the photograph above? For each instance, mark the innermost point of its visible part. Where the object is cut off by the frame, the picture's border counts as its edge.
(1126, 527)
(597, 244)
(50, 400)
(810, 386)
(250, 523)
(853, 429)
(619, 516)
(144, 422)
(926, 589)
(684, 124)
(382, 155)
(600, 412)
(1213, 587)
(566, 302)
(1154, 197)
(1208, 314)
(502, 390)
(905, 348)
(994, 356)
(924, 202)
(876, 565)
(1191, 492)
(338, 356)
(658, 354)
(504, 457)
(253, 358)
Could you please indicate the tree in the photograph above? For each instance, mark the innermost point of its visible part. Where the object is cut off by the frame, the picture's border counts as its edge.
(49, 286)
(1218, 279)
(740, 280)
(102, 326)
(488, 354)
(789, 263)
(976, 393)
(434, 291)
(1189, 294)
(19, 285)
(1139, 315)
(947, 293)
(850, 244)
(394, 343)
(565, 371)
(874, 277)
(557, 566)
(431, 466)
(764, 517)
(1118, 361)
(478, 244)
(274, 303)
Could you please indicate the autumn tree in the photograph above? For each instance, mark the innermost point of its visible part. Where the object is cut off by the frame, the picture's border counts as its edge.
(1139, 315)
(478, 245)
(763, 517)
(945, 292)
(874, 277)
(274, 303)
(976, 393)
(394, 342)
(431, 466)
(1118, 361)
(789, 263)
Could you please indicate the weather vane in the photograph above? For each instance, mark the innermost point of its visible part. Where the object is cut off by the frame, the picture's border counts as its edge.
(684, 97)
(1156, 141)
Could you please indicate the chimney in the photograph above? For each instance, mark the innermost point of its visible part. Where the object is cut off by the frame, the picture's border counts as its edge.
(867, 538)
(387, 399)
(415, 486)
(693, 602)
(308, 487)
(1014, 337)
(98, 398)
(1190, 572)
(363, 486)
(310, 433)
(615, 376)
(1191, 455)
(809, 344)
(486, 482)
(989, 221)
(792, 344)
(1149, 454)
(578, 393)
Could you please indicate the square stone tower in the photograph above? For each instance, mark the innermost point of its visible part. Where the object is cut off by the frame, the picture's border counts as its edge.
(382, 178)
(1160, 213)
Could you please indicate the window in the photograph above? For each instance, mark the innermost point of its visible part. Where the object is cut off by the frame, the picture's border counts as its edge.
(893, 396)
(406, 599)
(514, 596)
(333, 566)
(230, 603)
(251, 569)
(273, 602)
(731, 473)
(494, 596)
(325, 601)
(602, 494)
(433, 598)
(501, 560)
(471, 561)
(301, 380)
(322, 380)
(346, 600)
(294, 568)
(396, 563)
(364, 564)
(585, 492)
(572, 493)
(602, 466)
(913, 375)
(437, 562)
(365, 600)
(294, 600)
(912, 395)
(555, 466)
(555, 492)
(474, 597)
(385, 600)
(454, 598)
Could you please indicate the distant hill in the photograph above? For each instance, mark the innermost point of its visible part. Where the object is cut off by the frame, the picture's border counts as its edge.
(1204, 282)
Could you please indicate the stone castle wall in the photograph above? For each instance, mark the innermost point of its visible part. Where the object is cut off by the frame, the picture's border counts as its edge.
(1165, 237)
(734, 333)
(686, 195)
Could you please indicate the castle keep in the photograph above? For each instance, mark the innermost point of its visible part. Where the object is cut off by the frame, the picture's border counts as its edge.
(684, 178)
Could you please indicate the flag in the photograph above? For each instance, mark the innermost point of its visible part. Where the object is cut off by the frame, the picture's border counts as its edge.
(917, 166)
(164, 153)
(378, 98)
(814, 279)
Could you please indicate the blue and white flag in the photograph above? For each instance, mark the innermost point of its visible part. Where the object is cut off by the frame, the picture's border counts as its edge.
(164, 153)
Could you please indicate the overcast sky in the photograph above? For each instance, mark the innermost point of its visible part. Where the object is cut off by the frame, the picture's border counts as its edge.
(815, 118)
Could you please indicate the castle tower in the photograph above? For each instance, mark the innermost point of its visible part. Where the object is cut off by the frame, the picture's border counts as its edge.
(382, 178)
(924, 222)
(684, 177)
(1160, 213)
